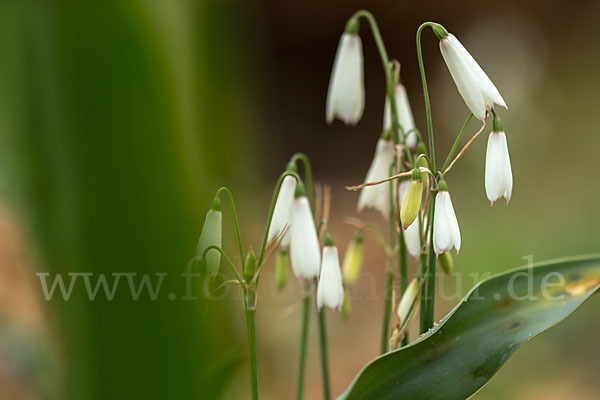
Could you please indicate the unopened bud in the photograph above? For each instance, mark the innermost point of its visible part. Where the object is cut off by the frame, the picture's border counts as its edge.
(412, 200)
(407, 301)
(281, 268)
(446, 262)
(250, 266)
(346, 306)
(353, 259)
(211, 236)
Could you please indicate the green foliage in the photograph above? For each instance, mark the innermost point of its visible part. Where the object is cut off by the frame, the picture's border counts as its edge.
(460, 354)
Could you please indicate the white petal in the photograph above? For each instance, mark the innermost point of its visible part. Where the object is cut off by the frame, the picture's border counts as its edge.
(330, 291)
(490, 92)
(452, 225)
(498, 173)
(442, 235)
(405, 116)
(346, 94)
(412, 239)
(304, 244)
(283, 204)
(378, 196)
(464, 78)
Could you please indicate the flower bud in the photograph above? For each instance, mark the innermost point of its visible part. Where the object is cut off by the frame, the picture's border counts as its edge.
(408, 299)
(346, 306)
(412, 200)
(281, 268)
(211, 236)
(353, 259)
(446, 262)
(250, 266)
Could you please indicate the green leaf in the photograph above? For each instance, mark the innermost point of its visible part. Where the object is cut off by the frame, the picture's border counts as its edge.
(460, 354)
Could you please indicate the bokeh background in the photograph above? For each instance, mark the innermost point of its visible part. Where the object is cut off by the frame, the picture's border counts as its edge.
(119, 120)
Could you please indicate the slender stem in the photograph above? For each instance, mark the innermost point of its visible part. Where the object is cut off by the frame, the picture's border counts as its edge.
(426, 95)
(324, 361)
(235, 218)
(403, 272)
(271, 209)
(304, 338)
(251, 325)
(423, 273)
(385, 335)
(431, 270)
(308, 177)
(456, 143)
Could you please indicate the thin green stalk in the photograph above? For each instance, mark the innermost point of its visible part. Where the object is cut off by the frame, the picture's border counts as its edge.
(403, 273)
(229, 263)
(431, 270)
(426, 95)
(423, 274)
(456, 143)
(389, 285)
(235, 218)
(324, 360)
(251, 325)
(304, 338)
(308, 178)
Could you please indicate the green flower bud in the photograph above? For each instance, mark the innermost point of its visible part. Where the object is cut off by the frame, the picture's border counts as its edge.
(353, 259)
(346, 306)
(446, 262)
(281, 268)
(211, 236)
(250, 266)
(412, 200)
(439, 31)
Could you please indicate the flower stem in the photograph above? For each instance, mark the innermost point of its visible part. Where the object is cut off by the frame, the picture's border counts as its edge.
(426, 94)
(403, 273)
(251, 325)
(304, 338)
(456, 143)
(431, 271)
(385, 335)
(324, 361)
(308, 178)
(235, 218)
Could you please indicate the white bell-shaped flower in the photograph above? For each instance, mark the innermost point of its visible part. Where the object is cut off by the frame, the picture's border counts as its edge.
(477, 90)
(498, 172)
(412, 238)
(281, 213)
(446, 234)
(330, 291)
(305, 253)
(378, 196)
(346, 95)
(405, 115)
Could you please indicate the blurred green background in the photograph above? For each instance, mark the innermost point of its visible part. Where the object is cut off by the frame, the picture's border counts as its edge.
(119, 120)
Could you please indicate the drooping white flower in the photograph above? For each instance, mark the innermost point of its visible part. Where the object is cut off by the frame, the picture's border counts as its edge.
(378, 196)
(304, 243)
(412, 233)
(281, 213)
(346, 95)
(330, 291)
(211, 236)
(498, 172)
(405, 115)
(446, 233)
(477, 90)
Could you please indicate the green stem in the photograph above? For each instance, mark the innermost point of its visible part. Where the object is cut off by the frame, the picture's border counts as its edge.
(385, 335)
(271, 209)
(431, 270)
(426, 95)
(229, 263)
(403, 272)
(324, 361)
(308, 177)
(456, 143)
(304, 338)
(235, 218)
(423, 274)
(251, 325)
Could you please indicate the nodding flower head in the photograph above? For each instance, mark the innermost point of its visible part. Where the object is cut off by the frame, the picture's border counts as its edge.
(330, 291)
(446, 234)
(346, 95)
(498, 172)
(304, 243)
(211, 236)
(282, 211)
(476, 89)
(378, 196)
(405, 115)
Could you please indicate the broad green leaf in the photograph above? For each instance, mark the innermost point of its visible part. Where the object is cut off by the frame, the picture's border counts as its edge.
(460, 354)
